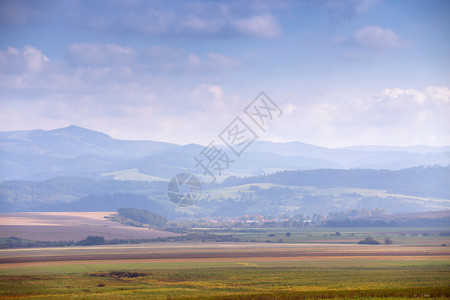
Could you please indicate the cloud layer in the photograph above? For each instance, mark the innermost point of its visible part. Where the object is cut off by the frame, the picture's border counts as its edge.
(107, 86)
(343, 72)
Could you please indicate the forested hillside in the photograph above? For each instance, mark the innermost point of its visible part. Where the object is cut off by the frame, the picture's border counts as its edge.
(288, 192)
(419, 181)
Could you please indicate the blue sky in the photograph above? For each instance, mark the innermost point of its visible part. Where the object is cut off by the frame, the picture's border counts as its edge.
(344, 72)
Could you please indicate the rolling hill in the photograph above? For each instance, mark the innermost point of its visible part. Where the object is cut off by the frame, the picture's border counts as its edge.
(76, 151)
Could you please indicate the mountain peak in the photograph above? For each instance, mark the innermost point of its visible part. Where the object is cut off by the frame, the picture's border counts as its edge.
(79, 131)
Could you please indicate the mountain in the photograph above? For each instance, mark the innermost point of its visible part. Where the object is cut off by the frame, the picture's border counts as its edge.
(70, 151)
(376, 157)
(411, 149)
(74, 141)
(76, 151)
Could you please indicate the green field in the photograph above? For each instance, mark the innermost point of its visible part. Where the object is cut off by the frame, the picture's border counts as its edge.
(347, 235)
(310, 263)
(248, 280)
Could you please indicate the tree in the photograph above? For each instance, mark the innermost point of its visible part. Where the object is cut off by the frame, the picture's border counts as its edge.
(143, 216)
(388, 241)
(288, 234)
(92, 240)
(369, 241)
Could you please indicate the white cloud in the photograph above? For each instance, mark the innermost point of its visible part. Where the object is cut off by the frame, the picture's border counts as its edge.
(369, 41)
(346, 9)
(195, 25)
(94, 67)
(403, 96)
(94, 53)
(132, 101)
(433, 96)
(439, 94)
(265, 26)
(28, 58)
(393, 116)
(222, 61)
(169, 58)
(210, 97)
(175, 18)
(289, 108)
(374, 36)
(34, 58)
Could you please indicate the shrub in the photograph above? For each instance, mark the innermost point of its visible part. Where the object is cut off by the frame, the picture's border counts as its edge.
(388, 241)
(369, 241)
(92, 240)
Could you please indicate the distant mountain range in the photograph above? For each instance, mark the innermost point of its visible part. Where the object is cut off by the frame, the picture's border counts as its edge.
(76, 151)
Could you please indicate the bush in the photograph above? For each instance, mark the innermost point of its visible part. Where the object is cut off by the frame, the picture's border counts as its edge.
(92, 240)
(388, 241)
(369, 241)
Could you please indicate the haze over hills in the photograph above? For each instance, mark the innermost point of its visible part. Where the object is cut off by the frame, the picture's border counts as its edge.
(76, 151)
(77, 169)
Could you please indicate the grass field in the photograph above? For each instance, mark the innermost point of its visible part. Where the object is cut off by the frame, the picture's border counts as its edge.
(411, 236)
(226, 270)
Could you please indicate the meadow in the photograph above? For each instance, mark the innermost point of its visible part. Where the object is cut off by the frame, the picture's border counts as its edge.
(408, 236)
(227, 271)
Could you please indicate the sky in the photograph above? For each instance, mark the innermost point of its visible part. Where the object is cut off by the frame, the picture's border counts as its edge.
(343, 72)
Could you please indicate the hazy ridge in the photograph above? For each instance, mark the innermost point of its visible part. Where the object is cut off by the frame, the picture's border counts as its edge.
(76, 151)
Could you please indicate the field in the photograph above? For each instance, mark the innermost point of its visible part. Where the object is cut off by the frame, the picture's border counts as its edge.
(67, 226)
(131, 174)
(408, 236)
(261, 263)
(227, 270)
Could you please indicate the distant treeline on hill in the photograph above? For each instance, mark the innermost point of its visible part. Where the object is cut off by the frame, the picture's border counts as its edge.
(420, 181)
(142, 216)
(385, 222)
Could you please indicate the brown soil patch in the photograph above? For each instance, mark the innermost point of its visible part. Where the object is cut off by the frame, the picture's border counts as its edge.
(231, 260)
(215, 255)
